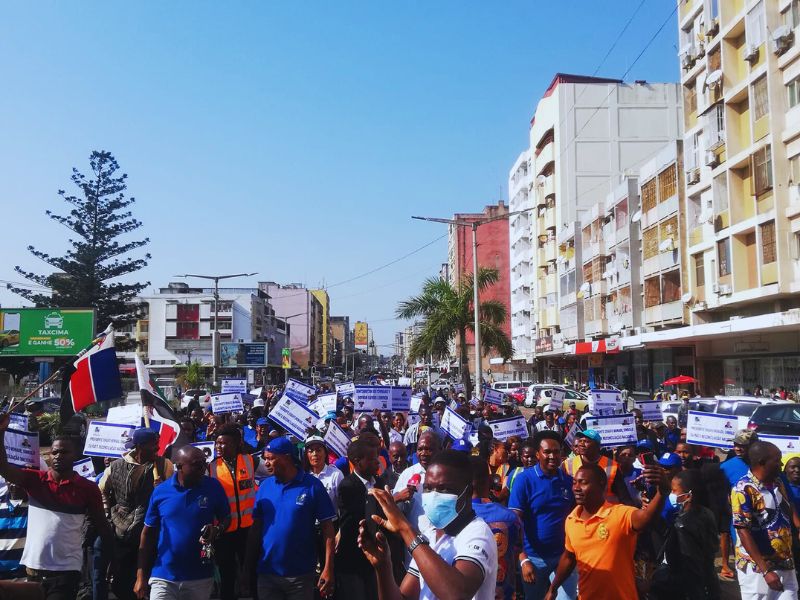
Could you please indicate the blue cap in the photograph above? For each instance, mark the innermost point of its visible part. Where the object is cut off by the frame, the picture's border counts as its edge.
(644, 445)
(669, 460)
(462, 446)
(262, 421)
(281, 446)
(331, 414)
(590, 434)
(140, 436)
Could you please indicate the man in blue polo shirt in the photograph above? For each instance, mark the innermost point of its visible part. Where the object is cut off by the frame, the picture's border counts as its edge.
(542, 497)
(182, 511)
(282, 538)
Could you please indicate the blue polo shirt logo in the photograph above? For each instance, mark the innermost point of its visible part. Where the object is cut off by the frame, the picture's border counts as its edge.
(202, 501)
(301, 499)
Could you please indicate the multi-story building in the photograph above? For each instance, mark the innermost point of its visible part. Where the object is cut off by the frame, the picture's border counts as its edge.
(342, 338)
(325, 302)
(303, 311)
(520, 259)
(409, 335)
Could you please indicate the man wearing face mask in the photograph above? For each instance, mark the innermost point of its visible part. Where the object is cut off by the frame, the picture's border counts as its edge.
(455, 557)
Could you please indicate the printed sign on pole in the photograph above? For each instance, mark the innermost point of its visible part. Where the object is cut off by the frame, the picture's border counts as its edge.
(416, 401)
(401, 399)
(502, 429)
(787, 444)
(570, 439)
(293, 417)
(454, 425)
(298, 391)
(651, 410)
(614, 430)
(209, 450)
(370, 397)
(324, 404)
(18, 422)
(22, 448)
(85, 468)
(711, 429)
(337, 439)
(493, 396)
(226, 403)
(605, 402)
(107, 439)
(346, 389)
(234, 386)
(557, 399)
(129, 414)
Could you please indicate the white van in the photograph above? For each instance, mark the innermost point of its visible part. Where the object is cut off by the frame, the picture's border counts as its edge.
(506, 385)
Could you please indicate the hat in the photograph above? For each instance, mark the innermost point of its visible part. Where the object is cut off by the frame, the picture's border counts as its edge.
(644, 445)
(745, 437)
(462, 395)
(262, 421)
(281, 446)
(462, 446)
(439, 399)
(669, 460)
(331, 414)
(590, 434)
(314, 439)
(142, 435)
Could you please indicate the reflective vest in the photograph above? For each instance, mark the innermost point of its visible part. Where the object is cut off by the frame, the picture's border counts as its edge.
(571, 466)
(502, 471)
(382, 465)
(240, 490)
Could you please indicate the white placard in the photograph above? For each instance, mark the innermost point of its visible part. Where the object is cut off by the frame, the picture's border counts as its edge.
(85, 468)
(209, 450)
(234, 386)
(22, 448)
(324, 404)
(570, 439)
(454, 425)
(226, 403)
(401, 399)
(605, 402)
(370, 397)
(346, 389)
(787, 444)
(711, 429)
(502, 429)
(18, 422)
(413, 418)
(129, 414)
(459, 387)
(614, 430)
(337, 439)
(493, 396)
(293, 416)
(651, 410)
(416, 402)
(107, 439)
(557, 399)
(299, 391)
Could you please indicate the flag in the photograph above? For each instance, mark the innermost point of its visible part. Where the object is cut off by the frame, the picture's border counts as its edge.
(167, 432)
(92, 378)
(152, 396)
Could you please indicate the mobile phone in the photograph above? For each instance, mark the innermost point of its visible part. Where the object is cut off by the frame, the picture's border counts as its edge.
(372, 508)
(648, 459)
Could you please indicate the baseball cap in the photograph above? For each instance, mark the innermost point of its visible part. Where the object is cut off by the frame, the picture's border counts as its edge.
(745, 437)
(142, 435)
(462, 395)
(439, 399)
(669, 460)
(314, 439)
(262, 421)
(281, 446)
(590, 434)
(462, 446)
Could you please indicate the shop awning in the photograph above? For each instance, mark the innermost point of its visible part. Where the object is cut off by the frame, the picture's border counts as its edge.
(604, 346)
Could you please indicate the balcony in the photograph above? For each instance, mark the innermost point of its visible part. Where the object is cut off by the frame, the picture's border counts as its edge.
(548, 317)
(545, 157)
(550, 218)
(664, 313)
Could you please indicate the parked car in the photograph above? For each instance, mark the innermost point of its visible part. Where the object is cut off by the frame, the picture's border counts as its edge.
(742, 407)
(777, 418)
(540, 395)
(505, 386)
(9, 337)
(518, 394)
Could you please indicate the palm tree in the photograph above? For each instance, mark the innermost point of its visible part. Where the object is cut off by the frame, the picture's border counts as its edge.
(447, 312)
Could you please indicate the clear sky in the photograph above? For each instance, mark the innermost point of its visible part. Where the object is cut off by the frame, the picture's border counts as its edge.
(294, 139)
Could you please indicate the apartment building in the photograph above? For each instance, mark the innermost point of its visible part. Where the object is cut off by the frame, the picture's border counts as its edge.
(300, 308)
(342, 340)
(325, 303)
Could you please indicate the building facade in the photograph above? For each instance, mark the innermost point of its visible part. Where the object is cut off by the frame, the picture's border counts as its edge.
(342, 340)
(303, 311)
(325, 302)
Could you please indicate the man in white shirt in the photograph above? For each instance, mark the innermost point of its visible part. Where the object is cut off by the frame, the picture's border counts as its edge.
(549, 423)
(409, 485)
(456, 556)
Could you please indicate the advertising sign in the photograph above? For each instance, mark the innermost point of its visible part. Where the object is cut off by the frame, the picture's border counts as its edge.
(503, 429)
(557, 399)
(234, 386)
(22, 448)
(454, 425)
(226, 403)
(107, 439)
(286, 358)
(370, 397)
(18, 422)
(415, 403)
(711, 429)
(293, 417)
(614, 430)
(128, 414)
(787, 444)
(45, 331)
(324, 404)
(361, 334)
(243, 354)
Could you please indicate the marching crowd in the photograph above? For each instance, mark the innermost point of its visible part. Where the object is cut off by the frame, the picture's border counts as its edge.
(407, 513)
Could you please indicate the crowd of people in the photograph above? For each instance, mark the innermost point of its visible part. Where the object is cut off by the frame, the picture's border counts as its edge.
(408, 512)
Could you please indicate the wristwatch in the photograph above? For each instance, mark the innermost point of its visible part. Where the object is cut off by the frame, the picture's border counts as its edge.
(420, 539)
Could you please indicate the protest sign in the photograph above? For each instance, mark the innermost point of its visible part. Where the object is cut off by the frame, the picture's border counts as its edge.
(570, 439)
(234, 386)
(605, 402)
(22, 448)
(107, 439)
(787, 444)
(416, 401)
(436, 419)
(370, 397)
(346, 389)
(711, 429)
(493, 396)
(651, 410)
(413, 418)
(557, 399)
(324, 404)
(502, 429)
(299, 391)
(614, 430)
(293, 416)
(85, 468)
(18, 422)
(454, 425)
(401, 399)
(337, 439)
(209, 450)
(129, 414)
(226, 403)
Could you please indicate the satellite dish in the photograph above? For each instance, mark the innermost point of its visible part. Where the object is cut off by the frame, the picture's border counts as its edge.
(585, 287)
(686, 298)
(714, 77)
(636, 217)
(666, 245)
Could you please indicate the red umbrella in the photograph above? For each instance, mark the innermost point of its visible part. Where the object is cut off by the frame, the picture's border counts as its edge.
(679, 380)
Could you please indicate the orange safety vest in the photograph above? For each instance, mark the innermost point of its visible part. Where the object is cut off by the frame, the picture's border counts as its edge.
(382, 465)
(502, 470)
(571, 466)
(241, 492)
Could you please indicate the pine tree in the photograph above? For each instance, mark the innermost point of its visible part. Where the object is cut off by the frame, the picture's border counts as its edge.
(87, 274)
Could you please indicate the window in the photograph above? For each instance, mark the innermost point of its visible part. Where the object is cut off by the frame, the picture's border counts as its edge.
(762, 170)
(690, 99)
(756, 25)
(650, 242)
(666, 184)
(794, 169)
(713, 9)
(652, 292)
(716, 126)
(671, 287)
(649, 195)
(187, 330)
(720, 192)
(690, 154)
(699, 270)
(768, 243)
(793, 92)
(792, 16)
(760, 99)
(723, 257)
(714, 61)
(188, 312)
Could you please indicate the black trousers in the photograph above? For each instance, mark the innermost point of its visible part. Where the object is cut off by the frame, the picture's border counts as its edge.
(356, 586)
(58, 585)
(126, 554)
(230, 550)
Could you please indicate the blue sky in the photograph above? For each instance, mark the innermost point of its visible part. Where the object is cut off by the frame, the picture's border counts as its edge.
(292, 139)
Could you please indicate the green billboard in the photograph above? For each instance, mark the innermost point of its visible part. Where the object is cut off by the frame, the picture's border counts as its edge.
(45, 331)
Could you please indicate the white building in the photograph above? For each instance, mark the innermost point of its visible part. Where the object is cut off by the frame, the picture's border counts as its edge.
(522, 280)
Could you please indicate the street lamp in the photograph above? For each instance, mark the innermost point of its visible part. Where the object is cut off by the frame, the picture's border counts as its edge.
(216, 279)
(474, 226)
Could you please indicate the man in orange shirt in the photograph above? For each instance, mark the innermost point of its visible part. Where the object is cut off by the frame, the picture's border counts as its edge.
(601, 537)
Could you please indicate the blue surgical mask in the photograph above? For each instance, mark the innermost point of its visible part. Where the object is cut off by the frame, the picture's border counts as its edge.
(440, 508)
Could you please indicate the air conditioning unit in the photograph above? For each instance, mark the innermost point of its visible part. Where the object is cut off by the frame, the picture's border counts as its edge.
(723, 289)
(692, 176)
(699, 306)
(782, 39)
(751, 53)
(712, 160)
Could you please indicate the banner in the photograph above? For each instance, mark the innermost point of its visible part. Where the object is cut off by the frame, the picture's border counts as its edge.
(107, 439)
(337, 439)
(503, 429)
(557, 400)
(370, 397)
(651, 410)
(711, 429)
(209, 450)
(243, 354)
(416, 401)
(22, 448)
(454, 425)
(85, 468)
(234, 386)
(293, 416)
(286, 358)
(45, 331)
(605, 402)
(401, 399)
(346, 389)
(361, 335)
(299, 391)
(493, 396)
(615, 430)
(129, 414)
(18, 422)
(324, 404)
(569, 440)
(226, 403)
(787, 444)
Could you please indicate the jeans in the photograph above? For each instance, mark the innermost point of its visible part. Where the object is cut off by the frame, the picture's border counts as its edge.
(545, 571)
(272, 587)
(58, 585)
(99, 570)
(196, 589)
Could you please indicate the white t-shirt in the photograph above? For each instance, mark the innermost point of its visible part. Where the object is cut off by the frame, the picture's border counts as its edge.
(474, 543)
(413, 511)
(330, 477)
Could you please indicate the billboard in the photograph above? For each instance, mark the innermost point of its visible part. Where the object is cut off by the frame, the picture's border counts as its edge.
(243, 354)
(361, 334)
(45, 331)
